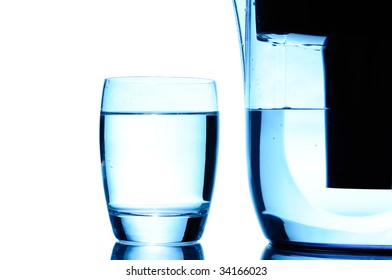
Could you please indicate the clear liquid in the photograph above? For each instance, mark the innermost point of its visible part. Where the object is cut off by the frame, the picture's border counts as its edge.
(289, 153)
(158, 165)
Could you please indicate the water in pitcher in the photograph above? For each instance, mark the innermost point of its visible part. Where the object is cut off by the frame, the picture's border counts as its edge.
(297, 196)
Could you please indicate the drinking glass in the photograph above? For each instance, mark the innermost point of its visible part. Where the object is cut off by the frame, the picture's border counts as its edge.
(158, 146)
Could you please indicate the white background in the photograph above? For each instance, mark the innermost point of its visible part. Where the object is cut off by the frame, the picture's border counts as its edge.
(54, 56)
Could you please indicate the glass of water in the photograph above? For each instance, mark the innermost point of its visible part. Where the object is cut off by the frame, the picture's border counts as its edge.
(158, 145)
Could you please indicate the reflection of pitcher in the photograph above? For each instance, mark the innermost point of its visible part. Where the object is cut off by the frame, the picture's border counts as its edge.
(319, 122)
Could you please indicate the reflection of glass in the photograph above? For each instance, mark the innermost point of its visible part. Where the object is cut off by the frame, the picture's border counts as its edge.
(159, 138)
(180, 251)
(275, 252)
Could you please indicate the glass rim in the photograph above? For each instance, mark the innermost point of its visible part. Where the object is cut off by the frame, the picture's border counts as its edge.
(159, 94)
(156, 79)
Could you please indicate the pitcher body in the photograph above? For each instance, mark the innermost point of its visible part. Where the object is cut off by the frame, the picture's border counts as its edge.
(318, 122)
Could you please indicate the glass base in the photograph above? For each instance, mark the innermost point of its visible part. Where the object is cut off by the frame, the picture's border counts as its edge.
(158, 228)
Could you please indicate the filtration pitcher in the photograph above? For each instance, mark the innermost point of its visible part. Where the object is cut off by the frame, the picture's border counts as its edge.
(318, 121)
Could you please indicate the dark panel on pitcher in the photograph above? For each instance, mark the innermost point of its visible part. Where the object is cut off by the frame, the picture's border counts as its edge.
(359, 115)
